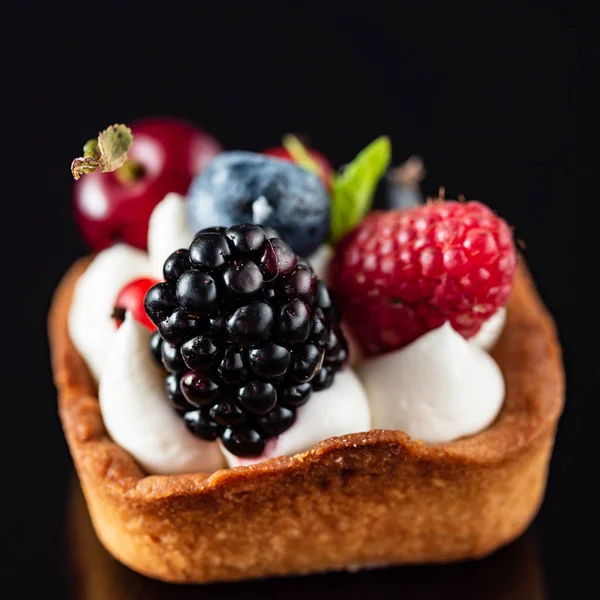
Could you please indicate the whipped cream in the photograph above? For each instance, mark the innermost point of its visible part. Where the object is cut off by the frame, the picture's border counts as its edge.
(437, 389)
(320, 259)
(167, 231)
(490, 331)
(340, 409)
(91, 327)
(137, 413)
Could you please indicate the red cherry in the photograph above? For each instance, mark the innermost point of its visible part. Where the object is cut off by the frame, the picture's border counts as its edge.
(166, 154)
(131, 298)
(326, 170)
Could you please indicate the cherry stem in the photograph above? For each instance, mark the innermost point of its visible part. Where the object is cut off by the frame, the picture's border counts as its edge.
(108, 152)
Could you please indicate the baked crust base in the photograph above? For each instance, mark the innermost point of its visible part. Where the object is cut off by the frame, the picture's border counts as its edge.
(366, 499)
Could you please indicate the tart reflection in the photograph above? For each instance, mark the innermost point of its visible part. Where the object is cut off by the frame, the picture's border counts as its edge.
(513, 572)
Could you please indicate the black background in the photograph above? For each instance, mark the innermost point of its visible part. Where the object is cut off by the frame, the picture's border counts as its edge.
(495, 98)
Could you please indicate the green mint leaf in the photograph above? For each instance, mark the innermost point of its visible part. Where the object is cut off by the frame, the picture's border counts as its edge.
(300, 154)
(354, 188)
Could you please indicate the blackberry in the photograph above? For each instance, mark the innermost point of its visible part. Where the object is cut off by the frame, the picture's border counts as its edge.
(246, 335)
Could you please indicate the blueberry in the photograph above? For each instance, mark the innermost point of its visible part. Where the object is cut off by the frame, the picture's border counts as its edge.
(243, 187)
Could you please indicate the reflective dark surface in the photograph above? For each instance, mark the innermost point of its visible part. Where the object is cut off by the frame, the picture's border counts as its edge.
(495, 98)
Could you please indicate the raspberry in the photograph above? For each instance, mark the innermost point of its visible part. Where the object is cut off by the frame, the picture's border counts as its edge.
(244, 329)
(400, 274)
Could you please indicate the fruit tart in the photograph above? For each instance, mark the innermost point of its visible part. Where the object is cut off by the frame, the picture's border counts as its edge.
(284, 384)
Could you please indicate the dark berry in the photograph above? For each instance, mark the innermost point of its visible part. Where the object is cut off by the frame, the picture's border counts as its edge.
(319, 333)
(216, 324)
(323, 379)
(302, 283)
(174, 393)
(337, 356)
(258, 397)
(159, 302)
(227, 413)
(306, 361)
(176, 265)
(221, 230)
(295, 395)
(231, 369)
(270, 232)
(198, 389)
(278, 259)
(209, 250)
(269, 360)
(199, 353)
(243, 441)
(246, 334)
(294, 322)
(249, 240)
(196, 292)
(276, 421)
(251, 324)
(201, 425)
(171, 358)
(177, 327)
(156, 347)
(243, 277)
(323, 299)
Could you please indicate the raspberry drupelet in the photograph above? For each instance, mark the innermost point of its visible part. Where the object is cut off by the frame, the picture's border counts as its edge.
(400, 274)
(245, 334)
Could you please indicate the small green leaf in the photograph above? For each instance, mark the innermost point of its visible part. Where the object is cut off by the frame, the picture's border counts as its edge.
(113, 143)
(354, 188)
(300, 154)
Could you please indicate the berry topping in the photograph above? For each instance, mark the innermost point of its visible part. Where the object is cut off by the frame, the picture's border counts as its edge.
(243, 331)
(401, 274)
(293, 150)
(131, 298)
(115, 202)
(239, 187)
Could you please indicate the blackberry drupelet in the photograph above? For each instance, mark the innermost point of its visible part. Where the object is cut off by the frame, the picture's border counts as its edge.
(246, 334)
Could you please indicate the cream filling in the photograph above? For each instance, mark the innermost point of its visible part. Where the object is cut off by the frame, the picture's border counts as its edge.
(137, 413)
(437, 389)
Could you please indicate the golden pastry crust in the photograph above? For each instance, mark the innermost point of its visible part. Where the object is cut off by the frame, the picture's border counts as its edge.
(363, 499)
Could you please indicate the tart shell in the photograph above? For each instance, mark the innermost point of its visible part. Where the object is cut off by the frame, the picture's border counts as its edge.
(360, 500)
